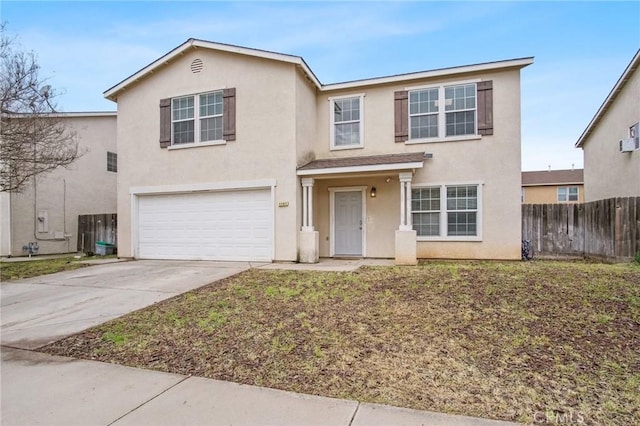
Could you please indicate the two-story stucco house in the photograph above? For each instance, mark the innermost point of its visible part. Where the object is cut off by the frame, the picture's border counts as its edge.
(611, 141)
(45, 214)
(231, 153)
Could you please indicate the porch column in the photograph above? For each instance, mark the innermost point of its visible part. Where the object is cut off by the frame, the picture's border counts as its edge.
(406, 237)
(307, 204)
(405, 202)
(309, 241)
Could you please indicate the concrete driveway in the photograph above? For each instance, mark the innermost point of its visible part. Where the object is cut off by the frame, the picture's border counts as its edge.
(41, 310)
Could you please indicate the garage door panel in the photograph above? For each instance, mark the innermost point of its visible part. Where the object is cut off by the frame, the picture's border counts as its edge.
(215, 225)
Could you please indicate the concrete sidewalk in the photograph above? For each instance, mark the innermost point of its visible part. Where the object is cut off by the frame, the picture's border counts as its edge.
(42, 389)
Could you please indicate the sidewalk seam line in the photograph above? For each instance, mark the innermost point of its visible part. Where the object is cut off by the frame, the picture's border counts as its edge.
(353, 417)
(149, 400)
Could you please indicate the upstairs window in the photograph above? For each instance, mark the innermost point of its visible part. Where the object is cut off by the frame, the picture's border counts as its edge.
(460, 109)
(445, 112)
(567, 194)
(346, 122)
(112, 162)
(423, 113)
(197, 118)
(427, 118)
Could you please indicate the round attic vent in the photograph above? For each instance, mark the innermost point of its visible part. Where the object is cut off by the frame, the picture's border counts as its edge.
(196, 65)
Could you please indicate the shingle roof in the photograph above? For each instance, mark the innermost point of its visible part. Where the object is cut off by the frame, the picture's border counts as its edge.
(371, 160)
(553, 177)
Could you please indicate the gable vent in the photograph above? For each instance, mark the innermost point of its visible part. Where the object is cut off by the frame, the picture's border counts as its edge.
(196, 66)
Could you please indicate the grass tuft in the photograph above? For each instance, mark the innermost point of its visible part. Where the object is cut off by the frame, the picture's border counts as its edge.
(527, 342)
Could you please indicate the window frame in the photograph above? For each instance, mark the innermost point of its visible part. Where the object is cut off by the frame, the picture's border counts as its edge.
(112, 162)
(444, 212)
(567, 196)
(441, 114)
(332, 122)
(197, 121)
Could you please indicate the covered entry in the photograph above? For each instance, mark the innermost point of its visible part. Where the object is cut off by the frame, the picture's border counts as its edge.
(358, 206)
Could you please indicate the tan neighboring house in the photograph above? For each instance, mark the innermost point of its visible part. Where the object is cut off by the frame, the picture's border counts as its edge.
(45, 215)
(553, 186)
(232, 153)
(611, 143)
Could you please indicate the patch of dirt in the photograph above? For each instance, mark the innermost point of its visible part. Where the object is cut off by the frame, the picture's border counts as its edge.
(512, 341)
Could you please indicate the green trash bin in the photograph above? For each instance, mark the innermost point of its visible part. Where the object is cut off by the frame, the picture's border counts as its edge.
(103, 248)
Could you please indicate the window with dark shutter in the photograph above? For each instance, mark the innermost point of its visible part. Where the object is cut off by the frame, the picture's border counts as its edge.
(206, 118)
(485, 107)
(229, 114)
(165, 123)
(401, 106)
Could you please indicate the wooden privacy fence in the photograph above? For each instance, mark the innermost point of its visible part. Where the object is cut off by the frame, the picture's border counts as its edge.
(96, 227)
(605, 228)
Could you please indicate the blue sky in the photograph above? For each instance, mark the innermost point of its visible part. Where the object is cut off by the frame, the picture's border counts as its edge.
(580, 48)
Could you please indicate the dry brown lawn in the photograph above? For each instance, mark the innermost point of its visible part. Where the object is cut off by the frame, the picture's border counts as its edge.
(528, 342)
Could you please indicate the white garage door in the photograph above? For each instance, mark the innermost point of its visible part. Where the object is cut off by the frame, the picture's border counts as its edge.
(234, 225)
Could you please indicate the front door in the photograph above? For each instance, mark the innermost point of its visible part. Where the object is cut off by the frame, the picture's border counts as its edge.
(348, 223)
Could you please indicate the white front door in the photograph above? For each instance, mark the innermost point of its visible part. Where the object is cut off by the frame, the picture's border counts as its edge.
(348, 223)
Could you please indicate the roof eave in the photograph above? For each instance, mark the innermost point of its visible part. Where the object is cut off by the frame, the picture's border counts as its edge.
(553, 184)
(112, 93)
(487, 66)
(361, 168)
(626, 75)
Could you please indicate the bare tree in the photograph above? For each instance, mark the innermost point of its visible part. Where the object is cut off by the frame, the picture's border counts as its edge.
(34, 139)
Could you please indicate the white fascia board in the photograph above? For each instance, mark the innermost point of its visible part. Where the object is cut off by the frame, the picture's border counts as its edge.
(488, 66)
(203, 187)
(626, 75)
(66, 114)
(112, 92)
(553, 184)
(360, 169)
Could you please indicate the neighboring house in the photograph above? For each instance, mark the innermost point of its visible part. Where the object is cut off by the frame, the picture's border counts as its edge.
(45, 214)
(553, 186)
(611, 143)
(231, 153)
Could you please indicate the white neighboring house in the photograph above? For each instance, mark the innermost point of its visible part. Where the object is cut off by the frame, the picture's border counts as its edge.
(611, 141)
(45, 214)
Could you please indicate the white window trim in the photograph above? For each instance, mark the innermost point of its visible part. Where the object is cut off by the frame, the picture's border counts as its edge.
(332, 134)
(567, 200)
(442, 114)
(196, 144)
(196, 125)
(443, 212)
(332, 217)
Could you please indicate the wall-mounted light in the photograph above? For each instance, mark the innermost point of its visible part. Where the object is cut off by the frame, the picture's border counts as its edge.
(388, 180)
(373, 192)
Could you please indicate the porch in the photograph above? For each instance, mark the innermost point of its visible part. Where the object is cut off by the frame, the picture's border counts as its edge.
(359, 207)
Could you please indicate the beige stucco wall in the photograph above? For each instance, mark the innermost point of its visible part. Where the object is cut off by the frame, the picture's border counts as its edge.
(85, 187)
(548, 194)
(608, 172)
(265, 137)
(5, 224)
(306, 129)
(493, 161)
